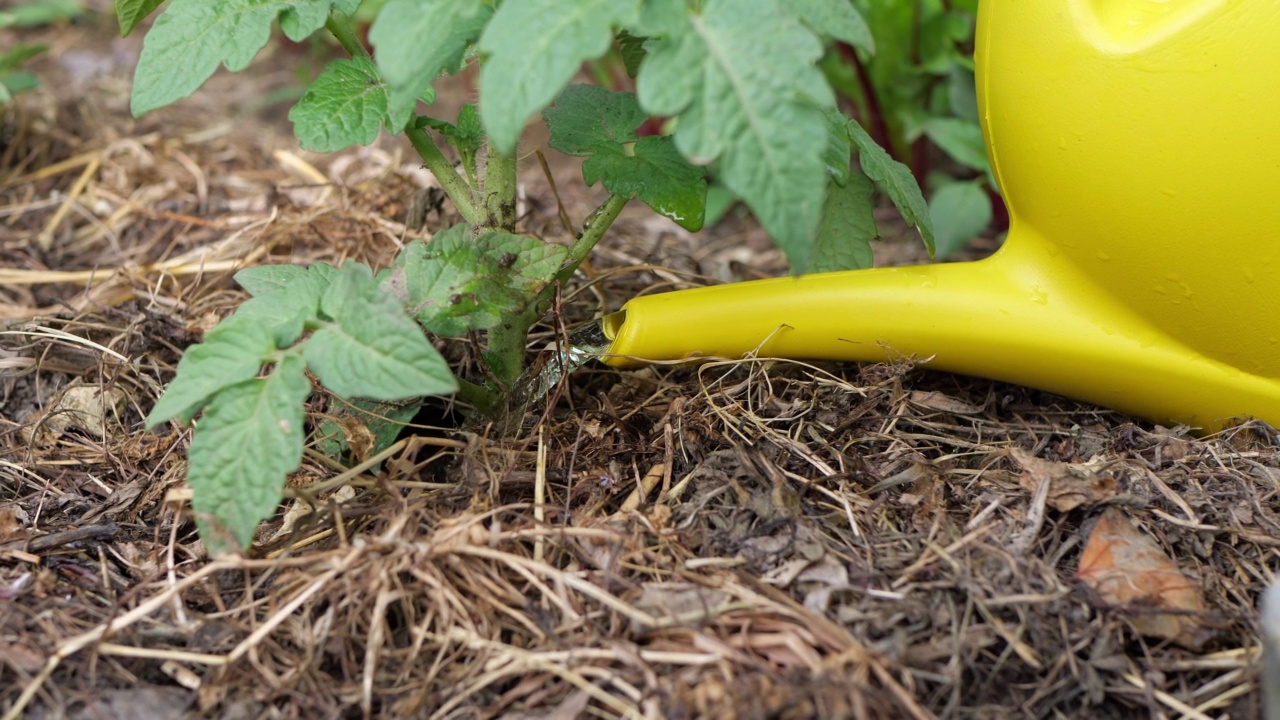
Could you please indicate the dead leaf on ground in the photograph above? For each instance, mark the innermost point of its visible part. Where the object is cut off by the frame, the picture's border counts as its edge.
(122, 499)
(21, 656)
(934, 400)
(146, 702)
(1071, 485)
(84, 407)
(822, 580)
(572, 707)
(11, 523)
(682, 603)
(1128, 570)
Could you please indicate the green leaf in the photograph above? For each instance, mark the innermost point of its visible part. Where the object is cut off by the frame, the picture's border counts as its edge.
(661, 18)
(847, 229)
(262, 279)
(741, 77)
(631, 48)
(18, 82)
(455, 283)
(532, 49)
(131, 12)
(895, 179)
(960, 211)
(382, 420)
(305, 282)
(345, 106)
(839, 151)
(372, 348)
(416, 40)
(286, 297)
(40, 13)
(898, 85)
(839, 20)
(285, 321)
(938, 37)
(470, 131)
(962, 93)
(189, 40)
(961, 139)
(16, 56)
(467, 136)
(585, 117)
(657, 174)
(719, 200)
(232, 352)
(246, 444)
(303, 18)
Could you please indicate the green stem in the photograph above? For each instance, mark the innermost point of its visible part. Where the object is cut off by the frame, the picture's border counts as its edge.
(508, 339)
(453, 184)
(593, 230)
(507, 342)
(340, 27)
(483, 399)
(499, 191)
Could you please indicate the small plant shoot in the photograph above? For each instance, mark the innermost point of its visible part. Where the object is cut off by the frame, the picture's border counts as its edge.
(36, 13)
(736, 83)
(918, 90)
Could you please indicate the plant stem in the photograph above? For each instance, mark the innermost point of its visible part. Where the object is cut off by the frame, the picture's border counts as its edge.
(453, 184)
(340, 27)
(499, 191)
(875, 122)
(483, 399)
(450, 181)
(597, 223)
(507, 339)
(507, 342)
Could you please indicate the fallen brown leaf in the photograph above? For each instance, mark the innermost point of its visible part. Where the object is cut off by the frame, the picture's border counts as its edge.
(1128, 570)
(84, 407)
(11, 528)
(942, 402)
(1071, 485)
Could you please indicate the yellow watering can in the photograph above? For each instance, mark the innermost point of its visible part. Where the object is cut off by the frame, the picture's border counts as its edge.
(1137, 144)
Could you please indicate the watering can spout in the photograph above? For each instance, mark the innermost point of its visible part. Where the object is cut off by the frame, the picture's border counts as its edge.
(1001, 318)
(1135, 146)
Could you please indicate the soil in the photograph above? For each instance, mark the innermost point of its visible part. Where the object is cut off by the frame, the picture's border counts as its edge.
(760, 538)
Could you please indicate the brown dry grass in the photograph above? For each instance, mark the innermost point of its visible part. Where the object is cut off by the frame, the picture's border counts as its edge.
(746, 539)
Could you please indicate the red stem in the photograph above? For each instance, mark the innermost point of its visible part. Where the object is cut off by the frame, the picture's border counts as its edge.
(875, 124)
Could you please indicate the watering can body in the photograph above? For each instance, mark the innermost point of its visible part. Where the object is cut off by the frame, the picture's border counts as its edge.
(1138, 143)
(1135, 144)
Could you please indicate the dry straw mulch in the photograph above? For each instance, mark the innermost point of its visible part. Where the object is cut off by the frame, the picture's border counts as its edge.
(745, 539)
